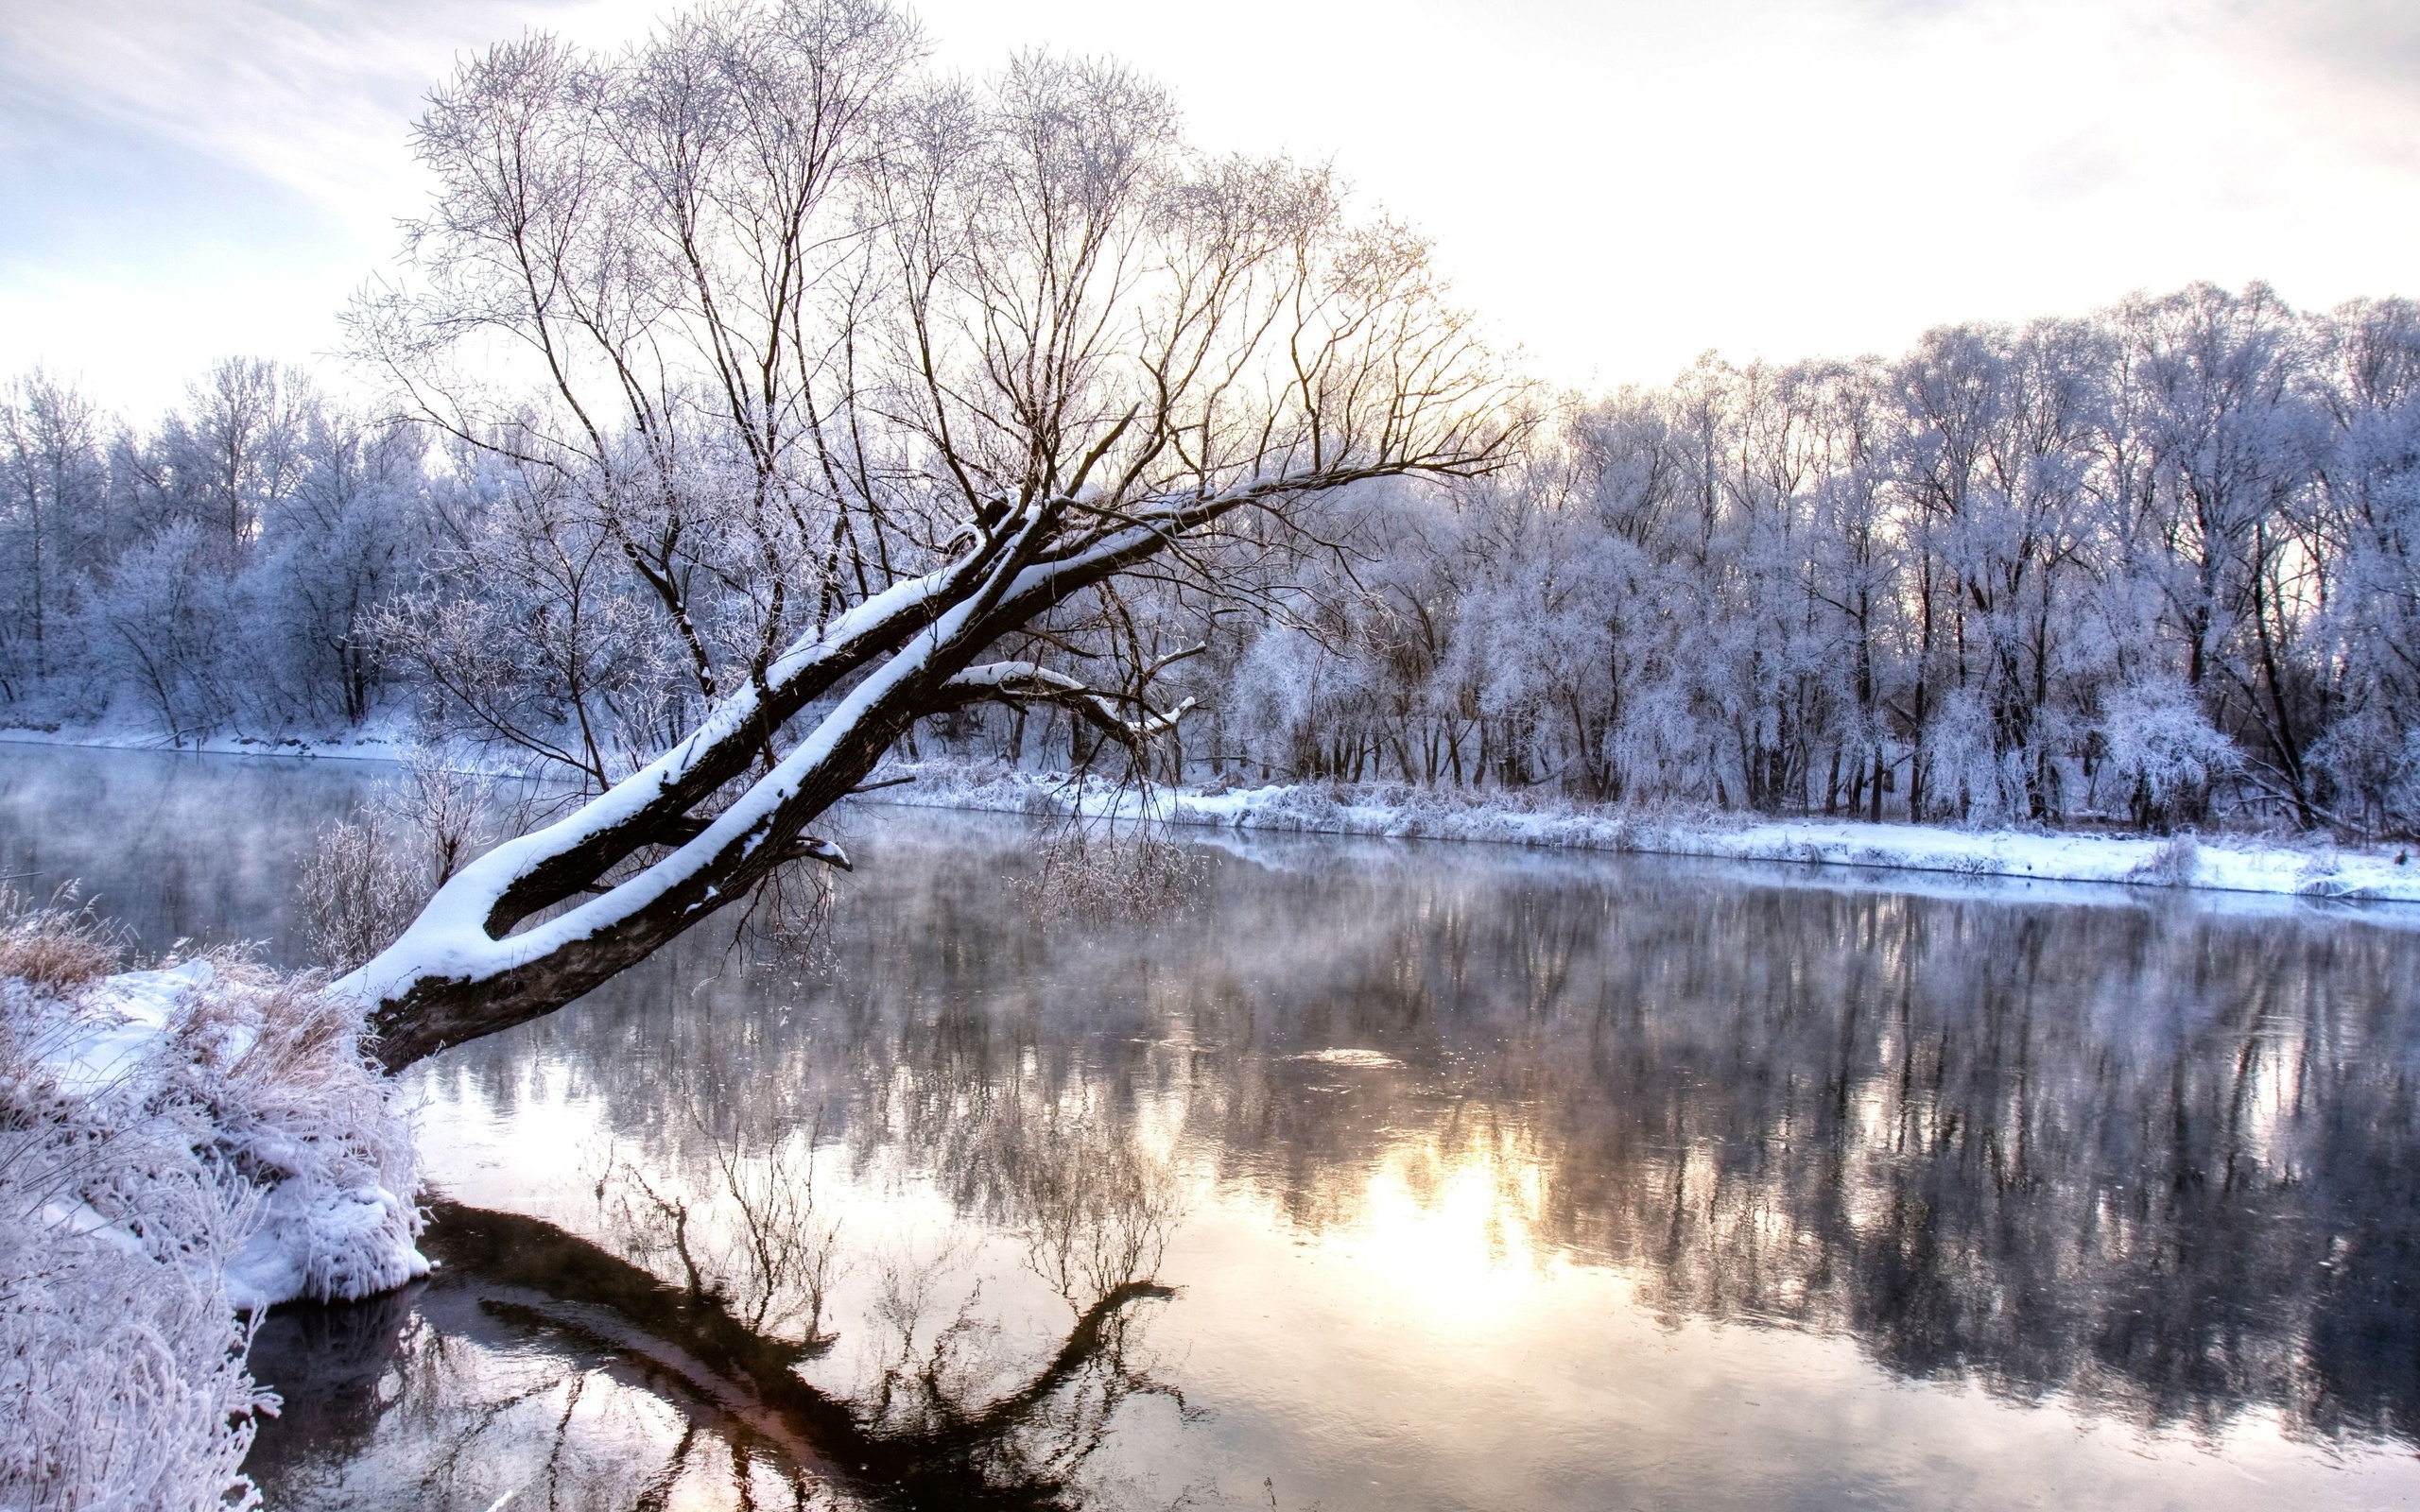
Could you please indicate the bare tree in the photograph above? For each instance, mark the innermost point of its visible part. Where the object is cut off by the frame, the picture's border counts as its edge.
(50, 474)
(873, 386)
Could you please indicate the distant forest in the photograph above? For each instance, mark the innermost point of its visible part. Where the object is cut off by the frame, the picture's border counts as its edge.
(2154, 567)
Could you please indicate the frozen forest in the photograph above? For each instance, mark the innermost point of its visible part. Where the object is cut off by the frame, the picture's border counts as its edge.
(2152, 567)
(758, 414)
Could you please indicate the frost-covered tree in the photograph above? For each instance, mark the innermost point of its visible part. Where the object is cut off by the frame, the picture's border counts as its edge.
(217, 570)
(2369, 530)
(53, 495)
(2232, 443)
(157, 629)
(708, 344)
(349, 535)
(1994, 460)
(870, 388)
(236, 452)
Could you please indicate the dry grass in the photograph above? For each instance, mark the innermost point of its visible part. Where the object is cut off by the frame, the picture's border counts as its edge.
(304, 1039)
(57, 946)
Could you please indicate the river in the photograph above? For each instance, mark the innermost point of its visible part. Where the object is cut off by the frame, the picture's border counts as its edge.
(1380, 1175)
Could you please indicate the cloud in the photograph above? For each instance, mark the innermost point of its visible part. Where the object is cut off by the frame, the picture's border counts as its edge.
(191, 178)
(313, 97)
(1617, 183)
(2367, 42)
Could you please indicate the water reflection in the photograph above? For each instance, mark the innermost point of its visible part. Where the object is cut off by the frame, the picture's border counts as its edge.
(174, 844)
(537, 1362)
(2154, 1155)
(1480, 1179)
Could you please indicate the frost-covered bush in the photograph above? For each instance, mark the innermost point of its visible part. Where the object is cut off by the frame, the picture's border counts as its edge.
(175, 1146)
(1966, 776)
(2403, 788)
(2377, 770)
(993, 785)
(358, 891)
(122, 1380)
(2164, 752)
(371, 871)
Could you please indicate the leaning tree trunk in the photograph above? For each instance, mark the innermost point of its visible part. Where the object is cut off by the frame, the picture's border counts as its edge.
(464, 967)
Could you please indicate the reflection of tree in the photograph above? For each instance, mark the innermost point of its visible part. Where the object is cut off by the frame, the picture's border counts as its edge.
(505, 1279)
(345, 1351)
(2148, 1158)
(772, 1259)
(948, 1451)
(2156, 1156)
(1097, 1213)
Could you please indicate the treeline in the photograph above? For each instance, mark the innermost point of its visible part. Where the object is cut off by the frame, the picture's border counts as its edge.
(217, 571)
(2154, 566)
(2157, 565)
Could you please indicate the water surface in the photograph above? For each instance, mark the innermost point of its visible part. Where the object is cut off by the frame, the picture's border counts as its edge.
(1387, 1175)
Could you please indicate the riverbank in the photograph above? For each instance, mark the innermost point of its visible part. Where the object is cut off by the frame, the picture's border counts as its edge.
(378, 740)
(2313, 868)
(181, 1149)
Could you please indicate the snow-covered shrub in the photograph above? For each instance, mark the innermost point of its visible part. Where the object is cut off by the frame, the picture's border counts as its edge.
(994, 786)
(2164, 752)
(304, 1118)
(122, 1381)
(175, 1146)
(2171, 866)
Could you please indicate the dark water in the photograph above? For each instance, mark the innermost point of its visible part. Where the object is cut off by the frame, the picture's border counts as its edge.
(1388, 1175)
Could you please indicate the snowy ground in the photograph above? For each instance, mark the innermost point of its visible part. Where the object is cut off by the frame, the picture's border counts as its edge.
(311, 1133)
(2315, 869)
(177, 1146)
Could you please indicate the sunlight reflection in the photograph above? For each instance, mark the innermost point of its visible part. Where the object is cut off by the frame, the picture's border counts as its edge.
(1444, 1235)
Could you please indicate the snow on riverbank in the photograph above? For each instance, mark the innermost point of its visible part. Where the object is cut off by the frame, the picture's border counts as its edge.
(390, 741)
(2317, 869)
(2309, 868)
(175, 1146)
(265, 1080)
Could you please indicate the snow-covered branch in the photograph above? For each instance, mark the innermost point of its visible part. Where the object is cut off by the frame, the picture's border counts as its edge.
(1022, 682)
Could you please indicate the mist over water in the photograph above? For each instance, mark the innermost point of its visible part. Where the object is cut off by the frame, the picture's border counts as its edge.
(1387, 1175)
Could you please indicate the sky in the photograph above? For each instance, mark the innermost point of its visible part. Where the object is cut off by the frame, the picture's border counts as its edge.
(1613, 186)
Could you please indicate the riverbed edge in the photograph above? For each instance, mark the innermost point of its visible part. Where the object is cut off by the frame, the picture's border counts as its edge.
(2312, 868)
